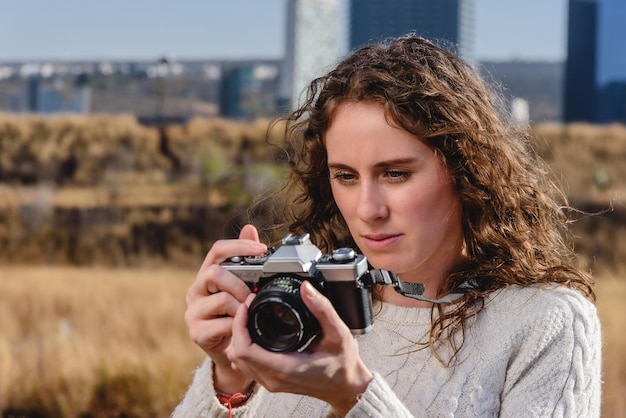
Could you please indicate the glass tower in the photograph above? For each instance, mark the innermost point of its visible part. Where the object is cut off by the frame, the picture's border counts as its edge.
(312, 44)
(595, 71)
(450, 22)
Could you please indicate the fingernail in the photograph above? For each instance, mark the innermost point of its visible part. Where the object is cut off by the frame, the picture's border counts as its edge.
(257, 246)
(309, 289)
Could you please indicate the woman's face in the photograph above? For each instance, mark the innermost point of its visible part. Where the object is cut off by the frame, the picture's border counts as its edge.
(395, 194)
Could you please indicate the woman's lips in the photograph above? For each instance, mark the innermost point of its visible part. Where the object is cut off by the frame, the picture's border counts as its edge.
(380, 241)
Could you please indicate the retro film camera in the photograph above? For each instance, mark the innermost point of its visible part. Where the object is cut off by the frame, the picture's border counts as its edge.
(278, 319)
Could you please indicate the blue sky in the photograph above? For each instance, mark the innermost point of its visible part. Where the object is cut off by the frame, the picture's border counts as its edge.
(148, 29)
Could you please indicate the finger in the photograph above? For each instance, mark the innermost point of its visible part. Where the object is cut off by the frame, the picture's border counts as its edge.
(211, 334)
(321, 308)
(226, 248)
(240, 339)
(216, 305)
(249, 232)
(214, 279)
(249, 300)
(241, 335)
(251, 359)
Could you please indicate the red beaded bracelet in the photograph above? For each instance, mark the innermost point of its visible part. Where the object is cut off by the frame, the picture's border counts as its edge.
(233, 400)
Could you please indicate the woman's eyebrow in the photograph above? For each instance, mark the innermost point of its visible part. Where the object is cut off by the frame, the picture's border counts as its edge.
(396, 161)
(386, 163)
(339, 166)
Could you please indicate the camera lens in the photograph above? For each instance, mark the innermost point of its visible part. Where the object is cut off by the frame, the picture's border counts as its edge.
(277, 326)
(278, 320)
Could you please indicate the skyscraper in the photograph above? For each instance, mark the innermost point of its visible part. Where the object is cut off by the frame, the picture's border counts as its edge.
(595, 71)
(312, 44)
(451, 21)
(580, 67)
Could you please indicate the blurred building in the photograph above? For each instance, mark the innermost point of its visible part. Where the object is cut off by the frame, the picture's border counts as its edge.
(312, 44)
(248, 91)
(50, 95)
(450, 21)
(154, 91)
(595, 71)
(540, 83)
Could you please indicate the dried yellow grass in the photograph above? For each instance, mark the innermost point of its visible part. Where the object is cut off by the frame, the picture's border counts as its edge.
(116, 150)
(587, 159)
(68, 334)
(112, 342)
(611, 294)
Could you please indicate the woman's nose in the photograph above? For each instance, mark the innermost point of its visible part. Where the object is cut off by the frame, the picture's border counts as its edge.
(371, 204)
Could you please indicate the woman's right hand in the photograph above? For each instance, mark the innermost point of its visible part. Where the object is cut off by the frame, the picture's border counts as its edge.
(212, 301)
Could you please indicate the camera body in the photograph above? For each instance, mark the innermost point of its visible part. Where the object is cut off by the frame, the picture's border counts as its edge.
(278, 320)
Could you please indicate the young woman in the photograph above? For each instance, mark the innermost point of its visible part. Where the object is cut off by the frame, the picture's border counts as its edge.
(400, 153)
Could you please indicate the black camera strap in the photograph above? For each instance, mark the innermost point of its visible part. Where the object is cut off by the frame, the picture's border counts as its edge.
(411, 290)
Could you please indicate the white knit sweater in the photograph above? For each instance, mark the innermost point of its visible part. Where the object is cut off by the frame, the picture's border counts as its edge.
(529, 352)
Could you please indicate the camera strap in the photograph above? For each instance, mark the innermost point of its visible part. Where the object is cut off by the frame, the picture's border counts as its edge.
(412, 290)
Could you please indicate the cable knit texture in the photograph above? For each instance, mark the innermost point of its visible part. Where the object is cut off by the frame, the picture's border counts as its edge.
(530, 352)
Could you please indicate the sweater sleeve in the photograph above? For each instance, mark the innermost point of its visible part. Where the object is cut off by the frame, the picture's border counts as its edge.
(555, 367)
(201, 401)
(377, 401)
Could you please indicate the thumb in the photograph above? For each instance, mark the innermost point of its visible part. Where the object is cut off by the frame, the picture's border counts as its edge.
(249, 232)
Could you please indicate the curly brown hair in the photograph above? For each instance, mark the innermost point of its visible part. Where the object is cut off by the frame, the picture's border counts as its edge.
(515, 218)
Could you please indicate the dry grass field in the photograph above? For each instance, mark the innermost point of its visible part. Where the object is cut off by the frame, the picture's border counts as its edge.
(90, 342)
(611, 293)
(93, 342)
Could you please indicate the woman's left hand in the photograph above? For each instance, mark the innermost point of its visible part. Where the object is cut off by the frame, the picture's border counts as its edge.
(330, 369)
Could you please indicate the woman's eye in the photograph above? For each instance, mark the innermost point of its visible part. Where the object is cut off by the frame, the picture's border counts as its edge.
(397, 175)
(343, 177)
